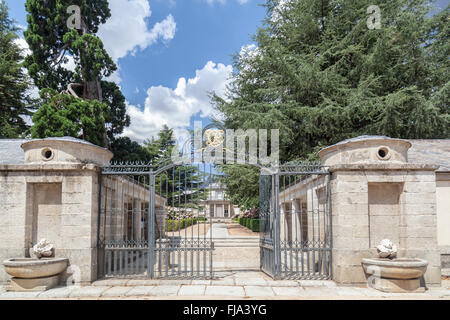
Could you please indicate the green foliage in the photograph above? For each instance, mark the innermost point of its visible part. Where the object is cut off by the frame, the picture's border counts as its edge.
(333, 78)
(254, 225)
(15, 101)
(240, 182)
(177, 225)
(116, 119)
(182, 186)
(124, 149)
(52, 44)
(161, 148)
(91, 58)
(321, 76)
(64, 115)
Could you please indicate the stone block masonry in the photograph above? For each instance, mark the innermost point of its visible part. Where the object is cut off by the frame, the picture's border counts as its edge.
(377, 194)
(53, 195)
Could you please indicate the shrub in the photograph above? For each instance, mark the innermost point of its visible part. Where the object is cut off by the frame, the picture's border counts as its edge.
(172, 225)
(251, 214)
(254, 226)
(176, 225)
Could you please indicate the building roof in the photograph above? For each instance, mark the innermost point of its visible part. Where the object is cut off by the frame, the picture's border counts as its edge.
(362, 138)
(71, 139)
(11, 152)
(431, 151)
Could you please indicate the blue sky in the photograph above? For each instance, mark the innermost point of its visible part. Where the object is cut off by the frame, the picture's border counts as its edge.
(172, 53)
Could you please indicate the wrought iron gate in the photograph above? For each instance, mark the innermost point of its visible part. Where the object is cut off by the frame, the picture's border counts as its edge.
(153, 221)
(296, 225)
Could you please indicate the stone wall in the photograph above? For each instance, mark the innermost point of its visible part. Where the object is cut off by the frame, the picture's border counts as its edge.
(377, 194)
(370, 205)
(59, 203)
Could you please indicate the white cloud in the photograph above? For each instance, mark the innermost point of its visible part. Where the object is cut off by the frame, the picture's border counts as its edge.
(70, 64)
(248, 56)
(127, 30)
(281, 6)
(22, 43)
(33, 91)
(175, 107)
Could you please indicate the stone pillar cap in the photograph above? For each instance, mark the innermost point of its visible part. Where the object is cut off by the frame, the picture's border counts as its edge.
(65, 150)
(366, 149)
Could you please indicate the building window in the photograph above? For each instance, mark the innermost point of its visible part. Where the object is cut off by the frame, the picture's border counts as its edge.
(211, 210)
(226, 212)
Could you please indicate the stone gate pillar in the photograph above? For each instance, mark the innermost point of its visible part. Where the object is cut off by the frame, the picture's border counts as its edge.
(54, 194)
(376, 194)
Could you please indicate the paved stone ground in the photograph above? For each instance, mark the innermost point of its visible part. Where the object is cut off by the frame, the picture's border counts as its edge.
(234, 252)
(241, 285)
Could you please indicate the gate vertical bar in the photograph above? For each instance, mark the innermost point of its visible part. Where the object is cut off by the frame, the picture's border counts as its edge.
(151, 227)
(330, 216)
(276, 229)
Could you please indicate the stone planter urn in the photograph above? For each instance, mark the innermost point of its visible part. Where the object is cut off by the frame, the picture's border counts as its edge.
(396, 275)
(35, 274)
(30, 274)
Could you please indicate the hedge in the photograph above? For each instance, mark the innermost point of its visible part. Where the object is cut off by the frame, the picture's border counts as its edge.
(176, 225)
(252, 224)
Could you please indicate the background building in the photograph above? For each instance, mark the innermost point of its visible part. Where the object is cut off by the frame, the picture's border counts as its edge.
(218, 205)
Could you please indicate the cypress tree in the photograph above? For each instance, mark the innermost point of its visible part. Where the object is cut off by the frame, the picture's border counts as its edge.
(52, 43)
(320, 75)
(15, 100)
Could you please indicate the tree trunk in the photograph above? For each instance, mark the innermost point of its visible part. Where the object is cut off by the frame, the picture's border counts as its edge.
(93, 91)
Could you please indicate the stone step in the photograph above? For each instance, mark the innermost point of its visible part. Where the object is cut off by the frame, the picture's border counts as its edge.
(246, 242)
(236, 245)
(235, 240)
